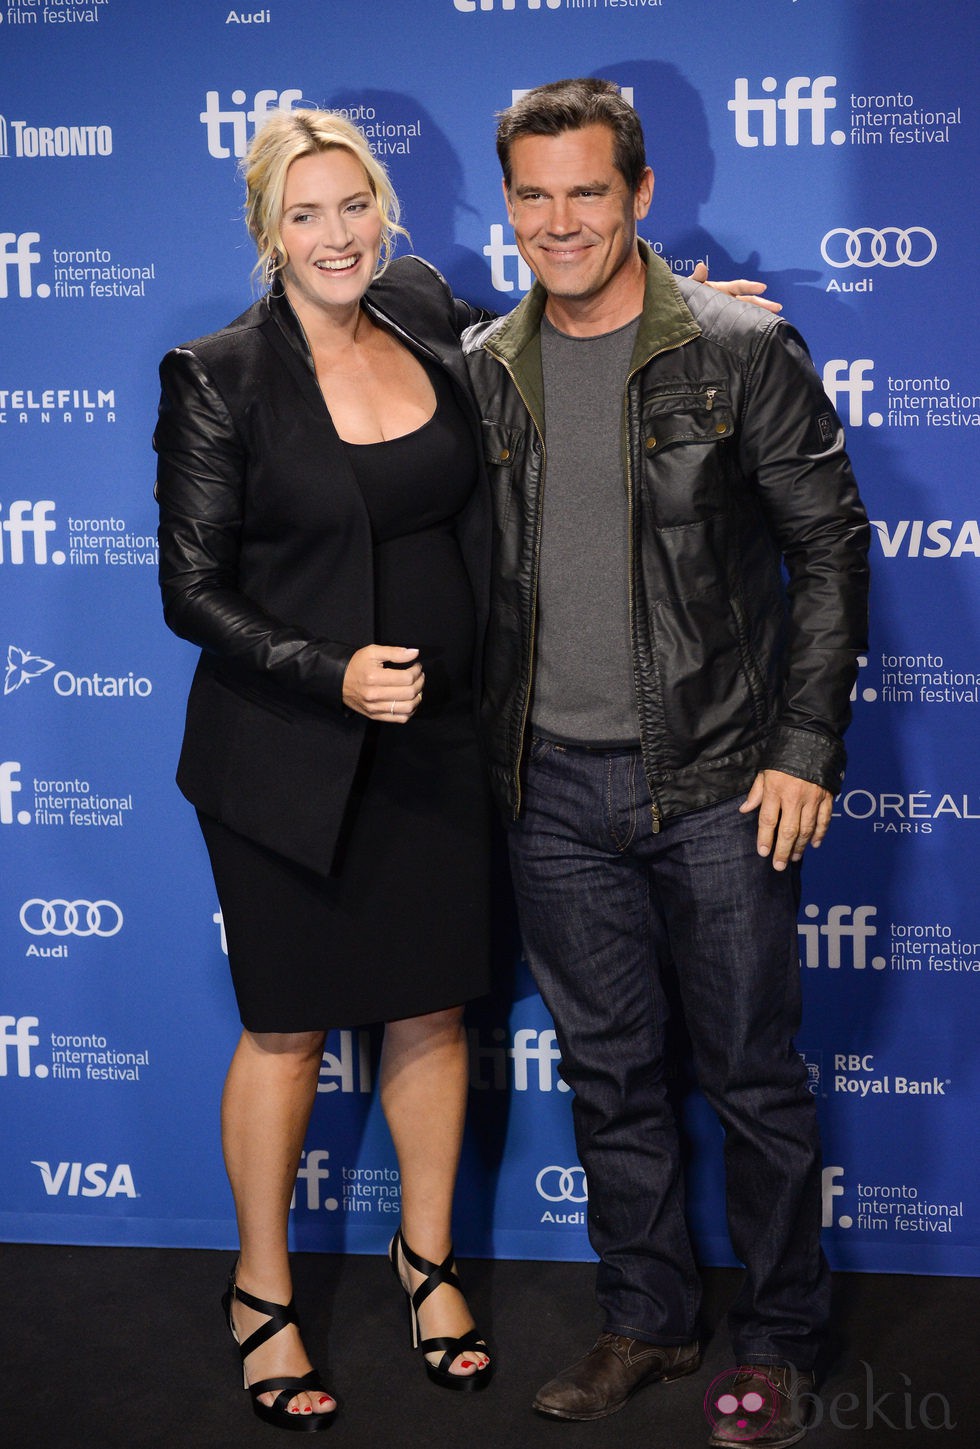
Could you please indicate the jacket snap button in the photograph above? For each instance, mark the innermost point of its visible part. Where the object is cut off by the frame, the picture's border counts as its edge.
(504, 453)
(651, 442)
(721, 427)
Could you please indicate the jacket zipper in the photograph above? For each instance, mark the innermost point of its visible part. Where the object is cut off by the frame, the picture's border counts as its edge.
(656, 815)
(534, 585)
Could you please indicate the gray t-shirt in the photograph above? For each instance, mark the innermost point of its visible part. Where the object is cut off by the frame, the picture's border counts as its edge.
(583, 683)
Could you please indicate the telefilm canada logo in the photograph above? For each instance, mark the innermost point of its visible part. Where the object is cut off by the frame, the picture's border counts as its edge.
(22, 406)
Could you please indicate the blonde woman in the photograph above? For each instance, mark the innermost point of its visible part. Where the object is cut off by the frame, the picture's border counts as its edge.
(324, 540)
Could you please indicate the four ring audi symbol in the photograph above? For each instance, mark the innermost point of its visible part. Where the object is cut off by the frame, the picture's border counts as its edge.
(892, 246)
(70, 918)
(562, 1184)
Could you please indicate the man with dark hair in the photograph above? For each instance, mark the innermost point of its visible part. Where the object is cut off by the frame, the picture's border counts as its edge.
(679, 600)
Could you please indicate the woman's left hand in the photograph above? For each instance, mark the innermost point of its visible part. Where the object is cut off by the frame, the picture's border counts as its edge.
(390, 696)
(747, 291)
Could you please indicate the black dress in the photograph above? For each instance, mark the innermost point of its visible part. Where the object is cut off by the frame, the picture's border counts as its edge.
(401, 928)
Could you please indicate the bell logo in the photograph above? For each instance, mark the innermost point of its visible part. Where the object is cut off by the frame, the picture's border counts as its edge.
(793, 103)
(76, 1179)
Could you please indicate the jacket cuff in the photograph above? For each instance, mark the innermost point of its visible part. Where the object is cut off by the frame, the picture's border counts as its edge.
(808, 755)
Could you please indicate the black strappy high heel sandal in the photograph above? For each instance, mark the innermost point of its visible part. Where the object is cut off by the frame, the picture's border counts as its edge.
(277, 1413)
(435, 1275)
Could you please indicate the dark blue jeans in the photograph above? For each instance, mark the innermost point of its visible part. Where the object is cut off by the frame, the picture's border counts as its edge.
(601, 899)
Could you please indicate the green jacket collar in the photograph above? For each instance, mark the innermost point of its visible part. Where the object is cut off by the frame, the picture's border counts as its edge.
(666, 322)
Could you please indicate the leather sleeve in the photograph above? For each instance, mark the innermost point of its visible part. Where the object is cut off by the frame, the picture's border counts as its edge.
(792, 443)
(200, 489)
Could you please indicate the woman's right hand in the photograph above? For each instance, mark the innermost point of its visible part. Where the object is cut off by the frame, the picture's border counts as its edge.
(388, 695)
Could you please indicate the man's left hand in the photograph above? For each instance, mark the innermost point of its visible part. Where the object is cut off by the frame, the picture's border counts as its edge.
(793, 814)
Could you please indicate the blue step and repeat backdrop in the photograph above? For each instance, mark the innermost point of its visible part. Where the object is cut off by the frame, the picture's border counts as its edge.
(829, 147)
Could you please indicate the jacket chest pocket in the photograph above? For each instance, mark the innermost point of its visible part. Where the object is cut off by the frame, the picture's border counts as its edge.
(685, 464)
(501, 454)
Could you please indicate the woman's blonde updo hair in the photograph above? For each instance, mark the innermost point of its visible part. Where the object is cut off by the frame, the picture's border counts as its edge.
(280, 141)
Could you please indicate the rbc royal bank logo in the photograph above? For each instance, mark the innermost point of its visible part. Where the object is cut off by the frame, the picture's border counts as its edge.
(804, 105)
(229, 124)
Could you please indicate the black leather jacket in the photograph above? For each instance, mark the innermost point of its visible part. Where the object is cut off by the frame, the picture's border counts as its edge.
(748, 545)
(267, 560)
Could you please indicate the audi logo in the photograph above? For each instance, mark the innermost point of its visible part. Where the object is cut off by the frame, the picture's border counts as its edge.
(890, 247)
(70, 918)
(559, 1184)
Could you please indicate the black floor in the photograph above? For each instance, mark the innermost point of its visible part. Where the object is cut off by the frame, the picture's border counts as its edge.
(126, 1349)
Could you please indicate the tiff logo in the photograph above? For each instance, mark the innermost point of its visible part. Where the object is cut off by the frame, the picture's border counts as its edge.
(18, 1032)
(499, 252)
(852, 924)
(466, 6)
(833, 1188)
(27, 519)
(842, 378)
(793, 103)
(9, 787)
(313, 1172)
(17, 251)
(215, 120)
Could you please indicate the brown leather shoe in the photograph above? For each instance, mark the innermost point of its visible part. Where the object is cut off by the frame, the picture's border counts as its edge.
(767, 1412)
(610, 1373)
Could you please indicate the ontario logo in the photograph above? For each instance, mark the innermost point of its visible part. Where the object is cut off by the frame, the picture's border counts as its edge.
(22, 667)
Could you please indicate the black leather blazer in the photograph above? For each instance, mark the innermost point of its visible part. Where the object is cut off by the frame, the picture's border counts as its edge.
(266, 560)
